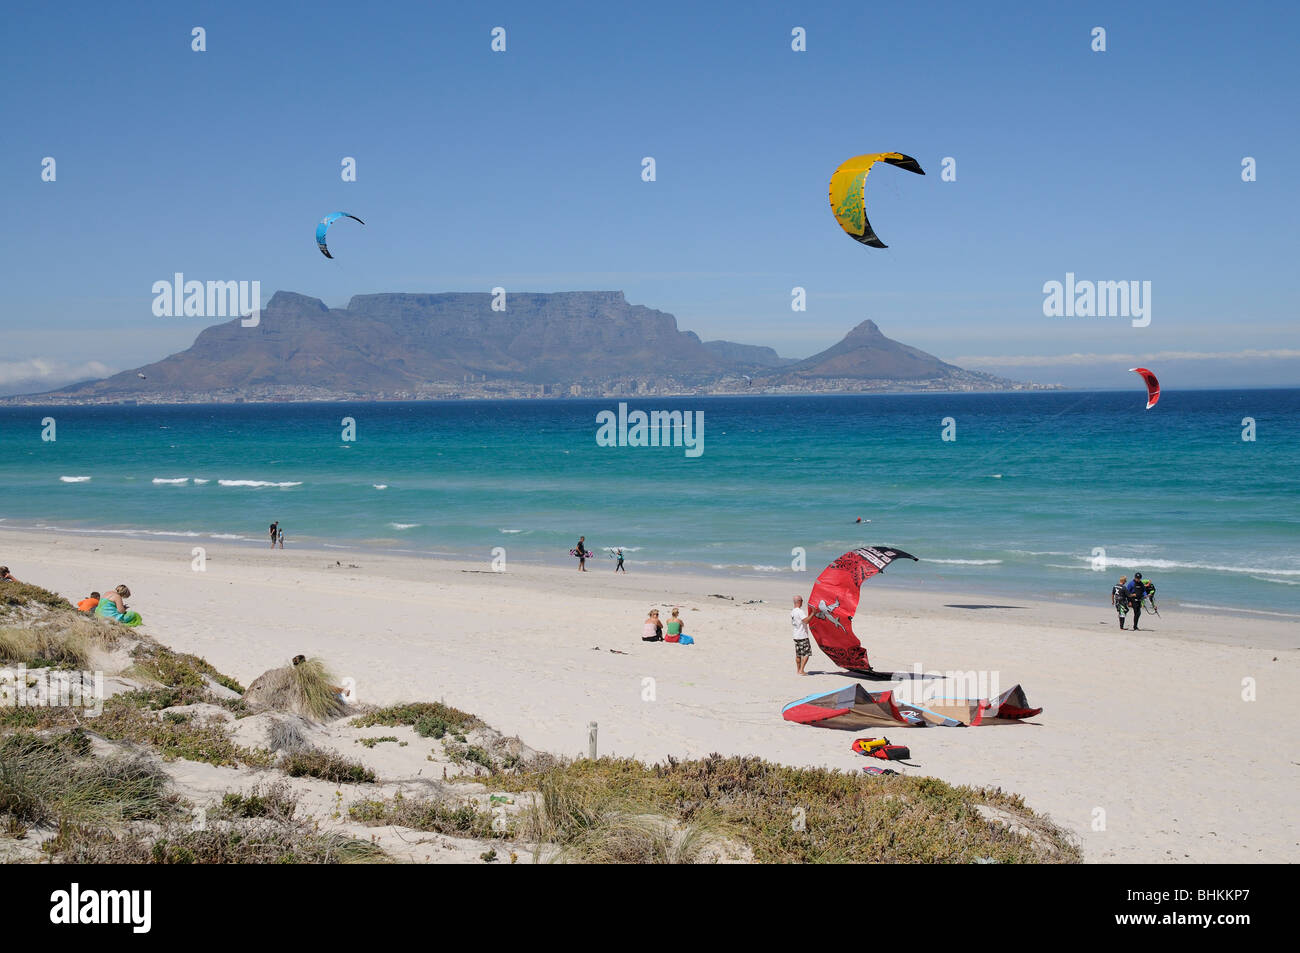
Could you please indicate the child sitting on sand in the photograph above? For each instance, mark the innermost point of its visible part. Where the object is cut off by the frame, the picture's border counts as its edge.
(90, 603)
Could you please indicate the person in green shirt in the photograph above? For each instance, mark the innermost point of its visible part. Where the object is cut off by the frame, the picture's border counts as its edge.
(675, 627)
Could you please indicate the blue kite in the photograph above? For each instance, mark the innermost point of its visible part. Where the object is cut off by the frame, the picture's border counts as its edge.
(324, 225)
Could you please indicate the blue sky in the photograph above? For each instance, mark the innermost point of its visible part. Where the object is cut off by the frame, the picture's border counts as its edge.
(523, 169)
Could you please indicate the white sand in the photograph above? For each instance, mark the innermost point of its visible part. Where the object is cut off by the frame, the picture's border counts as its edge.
(1144, 735)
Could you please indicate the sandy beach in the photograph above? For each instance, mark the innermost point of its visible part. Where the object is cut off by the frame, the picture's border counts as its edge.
(1171, 744)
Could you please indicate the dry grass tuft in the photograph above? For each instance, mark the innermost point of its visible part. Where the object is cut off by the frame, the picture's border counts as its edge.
(307, 689)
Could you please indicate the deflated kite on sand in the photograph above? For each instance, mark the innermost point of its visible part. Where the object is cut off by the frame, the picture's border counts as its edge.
(853, 707)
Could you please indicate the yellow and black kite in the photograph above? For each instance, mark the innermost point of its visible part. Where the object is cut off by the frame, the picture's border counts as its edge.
(848, 193)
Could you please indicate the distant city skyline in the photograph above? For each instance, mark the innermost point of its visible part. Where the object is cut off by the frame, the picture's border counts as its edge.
(523, 169)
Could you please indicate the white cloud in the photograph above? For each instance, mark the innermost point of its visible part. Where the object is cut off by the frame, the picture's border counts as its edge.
(1050, 360)
(37, 372)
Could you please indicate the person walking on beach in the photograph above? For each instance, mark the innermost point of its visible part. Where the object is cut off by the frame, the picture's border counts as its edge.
(581, 552)
(279, 530)
(618, 566)
(1119, 599)
(802, 636)
(1136, 593)
(1150, 588)
(652, 630)
(275, 528)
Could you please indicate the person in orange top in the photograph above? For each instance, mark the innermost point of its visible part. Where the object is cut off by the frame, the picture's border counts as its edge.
(89, 604)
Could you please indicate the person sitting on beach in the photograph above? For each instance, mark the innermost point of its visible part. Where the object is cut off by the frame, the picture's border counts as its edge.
(90, 603)
(112, 605)
(5, 575)
(1119, 598)
(675, 627)
(652, 630)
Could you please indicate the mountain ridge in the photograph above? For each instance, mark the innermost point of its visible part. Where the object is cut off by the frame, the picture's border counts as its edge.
(439, 344)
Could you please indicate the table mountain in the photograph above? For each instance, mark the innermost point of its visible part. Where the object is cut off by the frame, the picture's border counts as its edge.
(428, 344)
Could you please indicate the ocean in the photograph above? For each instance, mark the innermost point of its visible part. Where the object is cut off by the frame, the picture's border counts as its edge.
(1052, 495)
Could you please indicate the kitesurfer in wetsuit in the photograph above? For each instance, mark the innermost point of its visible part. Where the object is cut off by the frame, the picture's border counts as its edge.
(1119, 599)
(618, 566)
(1136, 593)
(1150, 588)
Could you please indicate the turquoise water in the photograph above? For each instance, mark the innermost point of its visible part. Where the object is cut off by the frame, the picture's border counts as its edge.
(1033, 484)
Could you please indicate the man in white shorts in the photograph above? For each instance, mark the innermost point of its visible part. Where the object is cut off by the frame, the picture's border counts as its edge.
(802, 637)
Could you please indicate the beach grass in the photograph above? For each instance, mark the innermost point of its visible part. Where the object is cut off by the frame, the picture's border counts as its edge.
(275, 800)
(783, 814)
(449, 814)
(307, 688)
(16, 595)
(49, 779)
(326, 765)
(193, 739)
(60, 638)
(264, 840)
(429, 719)
(157, 663)
(40, 647)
